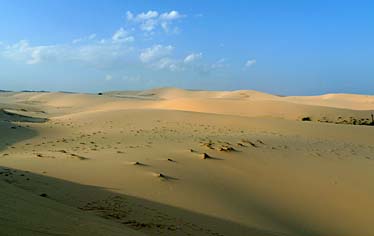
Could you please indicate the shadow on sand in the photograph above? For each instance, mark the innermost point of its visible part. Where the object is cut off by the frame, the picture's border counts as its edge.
(13, 132)
(146, 216)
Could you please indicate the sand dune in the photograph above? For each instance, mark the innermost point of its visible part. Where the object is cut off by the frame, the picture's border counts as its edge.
(180, 162)
(348, 101)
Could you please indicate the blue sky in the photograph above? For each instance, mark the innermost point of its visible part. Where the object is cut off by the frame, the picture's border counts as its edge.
(281, 47)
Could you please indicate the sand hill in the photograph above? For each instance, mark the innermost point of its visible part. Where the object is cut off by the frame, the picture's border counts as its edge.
(182, 162)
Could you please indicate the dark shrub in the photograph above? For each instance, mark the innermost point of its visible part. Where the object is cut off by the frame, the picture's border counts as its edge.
(306, 118)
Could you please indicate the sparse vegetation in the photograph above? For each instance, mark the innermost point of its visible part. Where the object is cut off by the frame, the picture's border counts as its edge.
(307, 118)
(348, 121)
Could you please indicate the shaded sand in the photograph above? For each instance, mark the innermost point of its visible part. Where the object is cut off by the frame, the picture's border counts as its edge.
(178, 162)
(25, 213)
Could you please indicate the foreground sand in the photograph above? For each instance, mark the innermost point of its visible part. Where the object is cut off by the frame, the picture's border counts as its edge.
(133, 163)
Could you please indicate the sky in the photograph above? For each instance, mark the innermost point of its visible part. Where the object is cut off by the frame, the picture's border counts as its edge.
(280, 47)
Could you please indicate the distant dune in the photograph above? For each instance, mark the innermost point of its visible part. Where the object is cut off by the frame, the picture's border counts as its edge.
(169, 161)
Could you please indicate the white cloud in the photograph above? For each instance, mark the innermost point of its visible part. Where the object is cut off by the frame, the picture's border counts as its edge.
(165, 26)
(221, 63)
(77, 40)
(35, 56)
(122, 35)
(92, 36)
(166, 19)
(143, 16)
(22, 51)
(150, 20)
(250, 63)
(148, 25)
(147, 15)
(108, 77)
(112, 52)
(129, 15)
(94, 53)
(166, 63)
(129, 39)
(159, 57)
(101, 54)
(155, 52)
(87, 38)
(192, 57)
(172, 15)
(147, 20)
(129, 78)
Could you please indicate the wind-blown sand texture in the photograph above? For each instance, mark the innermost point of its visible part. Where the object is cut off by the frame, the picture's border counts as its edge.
(178, 162)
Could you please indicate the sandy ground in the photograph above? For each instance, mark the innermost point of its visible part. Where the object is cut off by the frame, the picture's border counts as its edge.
(177, 162)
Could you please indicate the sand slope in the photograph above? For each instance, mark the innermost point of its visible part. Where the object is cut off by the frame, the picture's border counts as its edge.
(177, 162)
(23, 213)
